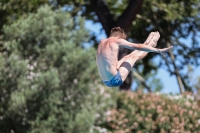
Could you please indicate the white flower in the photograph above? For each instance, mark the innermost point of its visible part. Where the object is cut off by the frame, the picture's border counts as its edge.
(199, 121)
(190, 97)
(108, 113)
(97, 115)
(75, 81)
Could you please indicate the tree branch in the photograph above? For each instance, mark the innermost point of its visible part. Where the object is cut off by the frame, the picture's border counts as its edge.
(104, 15)
(127, 17)
(141, 79)
(171, 55)
(178, 76)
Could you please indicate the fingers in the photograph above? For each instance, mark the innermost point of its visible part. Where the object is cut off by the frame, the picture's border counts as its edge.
(165, 49)
(169, 48)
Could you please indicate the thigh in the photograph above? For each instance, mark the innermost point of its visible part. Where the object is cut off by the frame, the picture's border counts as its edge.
(119, 63)
(134, 53)
(126, 66)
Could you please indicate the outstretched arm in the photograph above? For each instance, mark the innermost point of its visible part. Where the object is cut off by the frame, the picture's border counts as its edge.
(141, 47)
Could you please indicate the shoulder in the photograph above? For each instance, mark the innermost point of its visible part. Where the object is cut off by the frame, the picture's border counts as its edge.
(112, 40)
(107, 41)
(103, 40)
(122, 42)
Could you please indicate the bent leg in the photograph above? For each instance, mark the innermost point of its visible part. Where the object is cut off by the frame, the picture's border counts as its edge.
(141, 54)
(137, 52)
(127, 62)
(126, 66)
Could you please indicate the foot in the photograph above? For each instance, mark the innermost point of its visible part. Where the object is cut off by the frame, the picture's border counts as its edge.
(149, 38)
(154, 39)
(151, 41)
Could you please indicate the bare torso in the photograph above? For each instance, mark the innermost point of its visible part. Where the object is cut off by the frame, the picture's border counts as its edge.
(107, 58)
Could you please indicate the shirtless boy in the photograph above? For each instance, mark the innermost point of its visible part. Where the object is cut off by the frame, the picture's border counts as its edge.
(113, 72)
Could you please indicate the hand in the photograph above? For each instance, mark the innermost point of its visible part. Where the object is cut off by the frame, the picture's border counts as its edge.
(164, 49)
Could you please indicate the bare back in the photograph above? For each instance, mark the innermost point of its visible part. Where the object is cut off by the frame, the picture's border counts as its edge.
(107, 58)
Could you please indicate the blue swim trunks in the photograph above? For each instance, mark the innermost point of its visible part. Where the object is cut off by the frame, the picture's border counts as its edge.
(115, 81)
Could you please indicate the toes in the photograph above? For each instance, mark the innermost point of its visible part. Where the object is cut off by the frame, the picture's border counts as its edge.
(149, 38)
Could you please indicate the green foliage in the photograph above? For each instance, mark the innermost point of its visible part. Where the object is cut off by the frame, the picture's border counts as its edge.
(48, 83)
(151, 80)
(13, 9)
(139, 112)
(178, 24)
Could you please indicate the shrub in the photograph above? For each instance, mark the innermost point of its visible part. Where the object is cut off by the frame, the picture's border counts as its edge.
(139, 112)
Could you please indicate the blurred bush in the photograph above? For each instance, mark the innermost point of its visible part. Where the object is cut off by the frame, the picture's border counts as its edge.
(48, 82)
(153, 113)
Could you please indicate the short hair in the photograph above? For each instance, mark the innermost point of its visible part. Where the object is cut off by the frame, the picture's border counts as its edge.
(117, 32)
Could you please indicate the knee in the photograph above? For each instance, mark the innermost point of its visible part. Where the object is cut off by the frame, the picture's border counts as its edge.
(141, 57)
(124, 73)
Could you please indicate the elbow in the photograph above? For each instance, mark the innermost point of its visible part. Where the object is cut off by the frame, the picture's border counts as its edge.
(139, 46)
